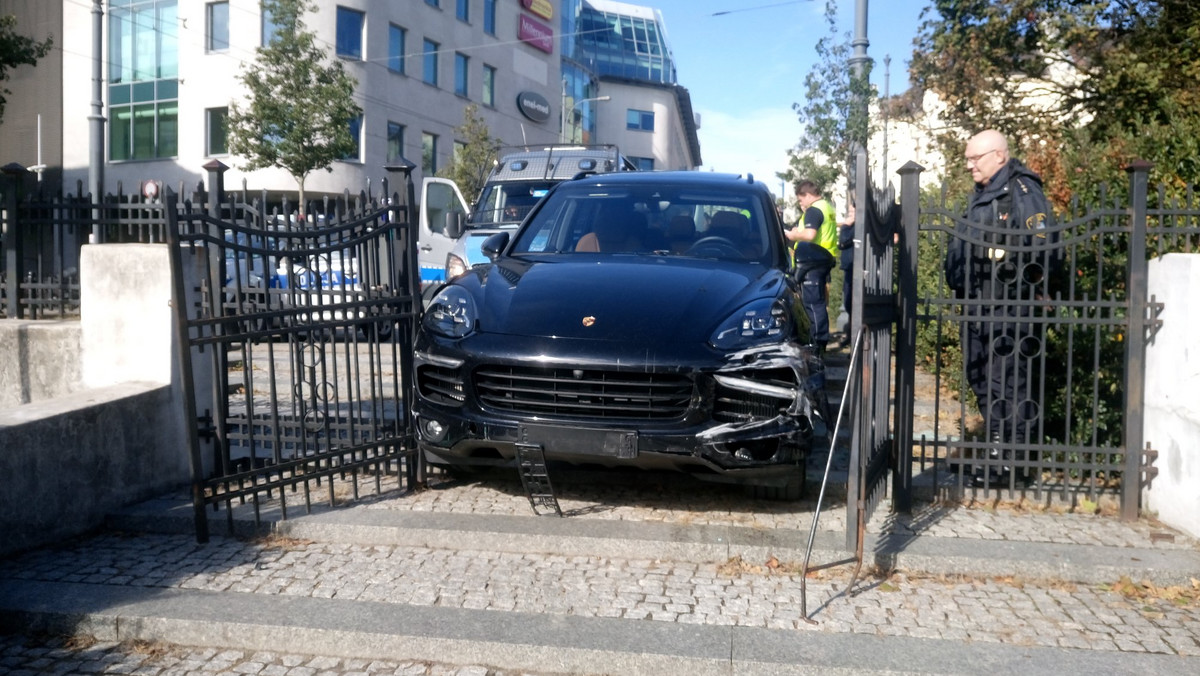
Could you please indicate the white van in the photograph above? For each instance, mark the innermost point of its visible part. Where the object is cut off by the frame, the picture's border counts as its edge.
(451, 233)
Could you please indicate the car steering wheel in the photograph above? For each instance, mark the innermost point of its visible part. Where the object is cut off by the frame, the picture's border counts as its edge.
(714, 245)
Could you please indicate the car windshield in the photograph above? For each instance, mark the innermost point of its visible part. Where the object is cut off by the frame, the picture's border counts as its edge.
(660, 220)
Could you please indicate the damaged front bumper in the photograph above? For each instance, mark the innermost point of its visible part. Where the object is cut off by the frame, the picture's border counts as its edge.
(747, 418)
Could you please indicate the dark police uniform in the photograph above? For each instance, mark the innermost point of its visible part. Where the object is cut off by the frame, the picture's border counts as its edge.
(997, 261)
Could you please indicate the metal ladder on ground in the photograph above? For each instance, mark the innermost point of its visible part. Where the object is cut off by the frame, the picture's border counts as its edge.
(531, 465)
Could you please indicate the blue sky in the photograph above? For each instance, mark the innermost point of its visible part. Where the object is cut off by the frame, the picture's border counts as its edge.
(746, 68)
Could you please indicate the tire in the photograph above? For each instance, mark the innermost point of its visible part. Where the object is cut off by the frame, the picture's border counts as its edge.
(791, 491)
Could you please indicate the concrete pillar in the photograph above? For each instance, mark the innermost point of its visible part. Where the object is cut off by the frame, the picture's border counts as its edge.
(1172, 419)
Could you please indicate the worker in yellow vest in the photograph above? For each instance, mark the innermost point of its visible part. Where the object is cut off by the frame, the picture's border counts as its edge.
(817, 226)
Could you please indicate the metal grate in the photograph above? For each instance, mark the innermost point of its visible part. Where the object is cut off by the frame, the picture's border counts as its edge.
(440, 384)
(583, 393)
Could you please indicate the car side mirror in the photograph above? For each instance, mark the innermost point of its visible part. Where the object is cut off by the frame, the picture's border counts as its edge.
(454, 224)
(492, 246)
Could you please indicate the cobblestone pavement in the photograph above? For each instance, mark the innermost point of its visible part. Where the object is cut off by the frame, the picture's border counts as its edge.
(1120, 617)
(670, 498)
(27, 656)
(743, 593)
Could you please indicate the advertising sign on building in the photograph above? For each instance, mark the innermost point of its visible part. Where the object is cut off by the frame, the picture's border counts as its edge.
(534, 106)
(542, 8)
(536, 33)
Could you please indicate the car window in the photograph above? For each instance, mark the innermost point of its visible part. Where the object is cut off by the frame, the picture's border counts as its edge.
(650, 220)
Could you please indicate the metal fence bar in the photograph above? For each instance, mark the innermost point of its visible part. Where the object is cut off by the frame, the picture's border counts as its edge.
(1135, 342)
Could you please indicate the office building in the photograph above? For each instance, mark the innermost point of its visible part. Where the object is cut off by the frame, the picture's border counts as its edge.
(171, 71)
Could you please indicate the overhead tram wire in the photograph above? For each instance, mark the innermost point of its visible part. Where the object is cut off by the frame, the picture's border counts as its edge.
(747, 9)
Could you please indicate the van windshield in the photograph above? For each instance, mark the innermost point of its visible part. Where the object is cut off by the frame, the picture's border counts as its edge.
(507, 202)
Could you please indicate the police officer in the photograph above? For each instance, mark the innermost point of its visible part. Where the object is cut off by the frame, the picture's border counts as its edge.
(818, 225)
(1001, 256)
(846, 263)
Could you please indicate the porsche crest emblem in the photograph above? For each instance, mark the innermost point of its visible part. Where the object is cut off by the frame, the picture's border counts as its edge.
(589, 320)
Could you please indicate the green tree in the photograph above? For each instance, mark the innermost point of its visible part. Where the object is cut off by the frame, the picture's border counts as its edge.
(298, 113)
(1081, 88)
(17, 50)
(833, 114)
(475, 156)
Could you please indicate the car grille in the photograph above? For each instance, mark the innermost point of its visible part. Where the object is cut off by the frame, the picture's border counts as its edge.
(737, 406)
(440, 384)
(583, 393)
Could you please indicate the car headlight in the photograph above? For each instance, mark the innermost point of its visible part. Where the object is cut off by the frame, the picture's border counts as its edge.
(451, 313)
(762, 321)
(455, 266)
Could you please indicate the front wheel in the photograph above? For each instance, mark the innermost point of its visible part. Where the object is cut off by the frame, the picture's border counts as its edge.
(791, 491)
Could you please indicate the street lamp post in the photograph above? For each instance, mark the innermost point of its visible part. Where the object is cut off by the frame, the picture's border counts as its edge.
(563, 127)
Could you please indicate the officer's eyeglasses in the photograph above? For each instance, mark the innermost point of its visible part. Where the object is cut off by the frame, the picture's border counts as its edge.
(974, 159)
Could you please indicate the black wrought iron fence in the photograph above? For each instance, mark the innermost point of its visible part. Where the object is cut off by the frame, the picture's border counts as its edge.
(302, 327)
(1075, 342)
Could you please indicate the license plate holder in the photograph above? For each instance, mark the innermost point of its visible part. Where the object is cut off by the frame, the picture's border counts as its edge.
(580, 440)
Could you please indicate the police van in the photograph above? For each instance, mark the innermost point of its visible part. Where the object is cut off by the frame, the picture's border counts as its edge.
(451, 233)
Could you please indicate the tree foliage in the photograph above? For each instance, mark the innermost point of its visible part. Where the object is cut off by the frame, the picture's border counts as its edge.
(298, 113)
(475, 157)
(17, 50)
(1080, 87)
(833, 113)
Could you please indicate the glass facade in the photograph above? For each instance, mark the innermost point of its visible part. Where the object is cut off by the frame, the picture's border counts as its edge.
(143, 76)
(611, 43)
(603, 37)
(579, 112)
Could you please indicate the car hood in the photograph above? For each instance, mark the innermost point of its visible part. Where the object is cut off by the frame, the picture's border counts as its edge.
(637, 298)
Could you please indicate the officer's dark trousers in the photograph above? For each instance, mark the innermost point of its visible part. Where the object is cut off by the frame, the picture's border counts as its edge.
(813, 291)
(847, 288)
(1002, 362)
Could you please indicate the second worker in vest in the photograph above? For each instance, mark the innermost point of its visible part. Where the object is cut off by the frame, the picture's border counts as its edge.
(817, 226)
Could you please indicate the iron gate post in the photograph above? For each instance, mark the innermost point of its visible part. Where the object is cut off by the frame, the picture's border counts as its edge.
(14, 176)
(906, 336)
(1135, 340)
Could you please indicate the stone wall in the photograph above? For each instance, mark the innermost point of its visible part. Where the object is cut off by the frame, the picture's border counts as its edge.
(97, 420)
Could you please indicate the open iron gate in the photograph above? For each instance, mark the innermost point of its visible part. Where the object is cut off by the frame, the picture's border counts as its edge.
(296, 347)
(869, 383)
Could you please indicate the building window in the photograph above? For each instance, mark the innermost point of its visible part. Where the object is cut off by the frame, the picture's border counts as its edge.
(350, 33)
(460, 150)
(643, 163)
(217, 20)
(268, 27)
(396, 39)
(433, 3)
(489, 86)
(639, 120)
(489, 17)
(463, 10)
(356, 134)
(430, 70)
(428, 153)
(143, 76)
(216, 131)
(461, 63)
(395, 142)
